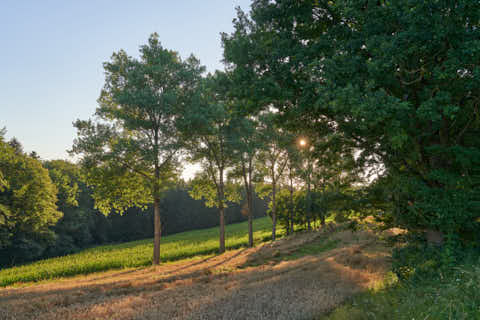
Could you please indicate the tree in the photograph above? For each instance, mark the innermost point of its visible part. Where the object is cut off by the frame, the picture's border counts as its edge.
(403, 88)
(27, 206)
(75, 230)
(66, 177)
(3, 182)
(247, 145)
(274, 157)
(130, 153)
(206, 128)
(16, 145)
(291, 176)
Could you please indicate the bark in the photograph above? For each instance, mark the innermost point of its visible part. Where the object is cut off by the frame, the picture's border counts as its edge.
(247, 181)
(222, 213)
(309, 198)
(157, 227)
(157, 231)
(250, 205)
(222, 230)
(291, 205)
(250, 219)
(274, 209)
(324, 208)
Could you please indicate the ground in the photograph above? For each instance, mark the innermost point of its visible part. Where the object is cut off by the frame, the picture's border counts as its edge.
(298, 277)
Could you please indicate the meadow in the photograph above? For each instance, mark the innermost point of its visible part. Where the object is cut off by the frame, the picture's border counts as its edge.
(452, 296)
(197, 243)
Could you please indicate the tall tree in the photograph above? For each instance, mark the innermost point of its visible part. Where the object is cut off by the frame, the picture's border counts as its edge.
(130, 153)
(292, 169)
(403, 88)
(206, 128)
(247, 146)
(274, 157)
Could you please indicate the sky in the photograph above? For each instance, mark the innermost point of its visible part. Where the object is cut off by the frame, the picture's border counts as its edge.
(51, 55)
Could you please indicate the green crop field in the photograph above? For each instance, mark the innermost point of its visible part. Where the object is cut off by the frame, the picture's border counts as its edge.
(137, 253)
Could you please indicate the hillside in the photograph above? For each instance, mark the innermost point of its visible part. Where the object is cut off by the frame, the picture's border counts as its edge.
(136, 253)
(301, 276)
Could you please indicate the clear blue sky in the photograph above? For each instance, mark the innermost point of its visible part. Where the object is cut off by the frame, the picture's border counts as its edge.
(51, 55)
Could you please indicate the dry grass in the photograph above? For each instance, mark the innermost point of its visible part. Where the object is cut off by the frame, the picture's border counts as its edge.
(258, 283)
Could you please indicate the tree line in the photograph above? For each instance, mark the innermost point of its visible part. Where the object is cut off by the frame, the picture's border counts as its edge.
(320, 110)
(397, 81)
(158, 110)
(47, 210)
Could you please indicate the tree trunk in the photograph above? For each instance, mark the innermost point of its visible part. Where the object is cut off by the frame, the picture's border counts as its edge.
(250, 218)
(222, 230)
(274, 209)
(291, 206)
(250, 205)
(247, 180)
(157, 230)
(324, 208)
(222, 213)
(157, 227)
(309, 204)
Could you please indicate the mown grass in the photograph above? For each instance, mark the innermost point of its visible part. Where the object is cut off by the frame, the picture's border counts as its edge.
(313, 248)
(137, 253)
(452, 296)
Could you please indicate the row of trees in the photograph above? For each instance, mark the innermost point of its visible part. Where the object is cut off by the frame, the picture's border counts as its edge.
(395, 97)
(47, 210)
(319, 106)
(401, 88)
(159, 110)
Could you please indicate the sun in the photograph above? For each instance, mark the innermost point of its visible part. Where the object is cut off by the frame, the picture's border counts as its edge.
(303, 142)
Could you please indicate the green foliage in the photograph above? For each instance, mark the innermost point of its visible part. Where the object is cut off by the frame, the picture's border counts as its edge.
(286, 208)
(134, 254)
(453, 296)
(65, 176)
(76, 229)
(3, 153)
(129, 154)
(27, 206)
(203, 188)
(428, 282)
(210, 142)
(402, 89)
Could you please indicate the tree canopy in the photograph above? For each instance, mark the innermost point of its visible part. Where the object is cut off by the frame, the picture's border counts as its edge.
(130, 152)
(401, 88)
(27, 205)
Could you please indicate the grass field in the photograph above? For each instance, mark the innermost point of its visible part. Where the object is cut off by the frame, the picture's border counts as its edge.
(300, 276)
(456, 296)
(137, 253)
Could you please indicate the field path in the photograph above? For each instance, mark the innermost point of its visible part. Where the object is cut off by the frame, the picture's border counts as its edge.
(298, 277)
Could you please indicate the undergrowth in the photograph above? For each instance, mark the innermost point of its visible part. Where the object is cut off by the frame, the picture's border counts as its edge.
(426, 283)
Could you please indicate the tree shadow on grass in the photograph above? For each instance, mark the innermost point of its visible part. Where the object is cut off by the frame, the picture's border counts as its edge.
(301, 281)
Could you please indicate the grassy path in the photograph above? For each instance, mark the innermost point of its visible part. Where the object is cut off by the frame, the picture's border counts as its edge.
(136, 254)
(301, 276)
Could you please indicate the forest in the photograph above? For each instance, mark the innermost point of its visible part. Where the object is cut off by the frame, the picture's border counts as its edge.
(322, 116)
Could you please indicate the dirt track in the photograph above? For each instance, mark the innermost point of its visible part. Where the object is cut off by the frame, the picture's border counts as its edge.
(272, 281)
